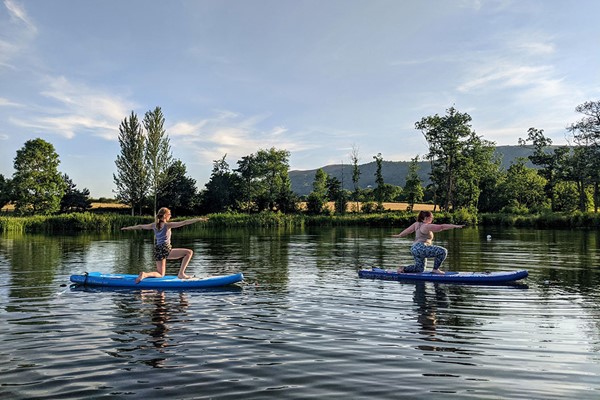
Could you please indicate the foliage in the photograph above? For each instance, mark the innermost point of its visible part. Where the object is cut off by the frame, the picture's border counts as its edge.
(458, 157)
(553, 164)
(178, 192)
(131, 178)
(37, 186)
(157, 152)
(74, 200)
(355, 175)
(5, 191)
(586, 134)
(222, 190)
(523, 187)
(317, 199)
(413, 189)
(379, 190)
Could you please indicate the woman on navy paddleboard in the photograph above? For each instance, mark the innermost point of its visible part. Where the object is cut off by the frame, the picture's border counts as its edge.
(422, 248)
(162, 244)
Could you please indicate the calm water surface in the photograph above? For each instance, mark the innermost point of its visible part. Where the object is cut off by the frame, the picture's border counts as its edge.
(302, 325)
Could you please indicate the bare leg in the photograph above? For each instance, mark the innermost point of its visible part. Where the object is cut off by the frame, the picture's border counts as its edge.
(159, 273)
(186, 256)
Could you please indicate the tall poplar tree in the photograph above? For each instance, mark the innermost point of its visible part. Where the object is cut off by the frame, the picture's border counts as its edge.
(131, 178)
(158, 151)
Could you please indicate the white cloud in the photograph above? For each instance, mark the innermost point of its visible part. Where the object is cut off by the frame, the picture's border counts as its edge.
(19, 15)
(7, 103)
(77, 109)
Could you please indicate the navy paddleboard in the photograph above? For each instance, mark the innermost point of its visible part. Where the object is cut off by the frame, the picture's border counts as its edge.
(450, 276)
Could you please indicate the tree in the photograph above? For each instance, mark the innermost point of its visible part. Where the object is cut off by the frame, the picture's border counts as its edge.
(178, 192)
(355, 175)
(158, 151)
(317, 199)
(5, 191)
(586, 133)
(74, 200)
(413, 188)
(248, 172)
(222, 189)
(337, 194)
(523, 188)
(132, 177)
(37, 184)
(273, 180)
(448, 138)
(379, 190)
(553, 165)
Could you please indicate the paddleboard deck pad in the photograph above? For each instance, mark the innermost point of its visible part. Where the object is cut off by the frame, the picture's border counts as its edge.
(166, 282)
(450, 276)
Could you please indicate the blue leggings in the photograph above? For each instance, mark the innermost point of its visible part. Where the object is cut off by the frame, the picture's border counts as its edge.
(421, 252)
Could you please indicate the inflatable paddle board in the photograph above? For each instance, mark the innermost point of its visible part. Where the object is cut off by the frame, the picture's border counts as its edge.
(449, 276)
(166, 282)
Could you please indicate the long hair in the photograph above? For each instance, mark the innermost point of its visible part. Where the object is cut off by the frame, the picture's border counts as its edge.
(160, 217)
(423, 214)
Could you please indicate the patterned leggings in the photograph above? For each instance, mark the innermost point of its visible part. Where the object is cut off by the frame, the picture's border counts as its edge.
(421, 251)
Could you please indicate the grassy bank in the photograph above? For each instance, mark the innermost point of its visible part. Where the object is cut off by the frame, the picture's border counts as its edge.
(93, 222)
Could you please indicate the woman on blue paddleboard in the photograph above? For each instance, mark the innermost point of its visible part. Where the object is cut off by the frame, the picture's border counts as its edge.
(162, 245)
(422, 248)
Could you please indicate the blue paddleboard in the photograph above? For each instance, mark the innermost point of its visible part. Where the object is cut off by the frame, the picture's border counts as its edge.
(167, 282)
(450, 276)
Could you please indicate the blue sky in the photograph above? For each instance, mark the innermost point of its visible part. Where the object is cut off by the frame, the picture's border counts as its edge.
(313, 77)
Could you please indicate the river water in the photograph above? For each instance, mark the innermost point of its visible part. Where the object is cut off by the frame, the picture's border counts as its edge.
(302, 325)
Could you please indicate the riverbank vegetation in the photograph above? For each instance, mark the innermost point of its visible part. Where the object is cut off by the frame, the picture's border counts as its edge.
(93, 222)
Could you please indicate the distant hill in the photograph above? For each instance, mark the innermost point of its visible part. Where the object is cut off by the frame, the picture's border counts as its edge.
(394, 172)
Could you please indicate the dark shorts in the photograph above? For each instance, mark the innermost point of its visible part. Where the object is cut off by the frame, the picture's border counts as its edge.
(161, 251)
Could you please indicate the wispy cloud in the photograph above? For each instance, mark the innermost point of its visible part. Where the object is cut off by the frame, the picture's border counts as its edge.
(236, 135)
(19, 15)
(77, 109)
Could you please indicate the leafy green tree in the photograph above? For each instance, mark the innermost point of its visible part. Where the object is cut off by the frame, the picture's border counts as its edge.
(553, 164)
(355, 176)
(317, 199)
(74, 200)
(158, 151)
(272, 167)
(178, 192)
(337, 194)
(5, 191)
(131, 178)
(37, 184)
(523, 187)
(222, 190)
(586, 133)
(379, 190)
(413, 188)
(449, 138)
(248, 172)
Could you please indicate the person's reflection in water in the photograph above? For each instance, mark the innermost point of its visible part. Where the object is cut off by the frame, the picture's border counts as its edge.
(427, 310)
(160, 317)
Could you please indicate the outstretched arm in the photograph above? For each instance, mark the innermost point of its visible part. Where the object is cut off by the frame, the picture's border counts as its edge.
(440, 227)
(186, 222)
(407, 231)
(135, 227)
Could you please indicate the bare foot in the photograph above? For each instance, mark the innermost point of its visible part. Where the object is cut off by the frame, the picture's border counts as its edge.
(401, 270)
(140, 277)
(183, 276)
(437, 271)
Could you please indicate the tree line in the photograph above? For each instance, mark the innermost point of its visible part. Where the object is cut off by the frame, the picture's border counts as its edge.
(465, 174)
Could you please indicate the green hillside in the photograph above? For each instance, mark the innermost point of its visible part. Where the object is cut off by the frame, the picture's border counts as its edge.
(394, 172)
